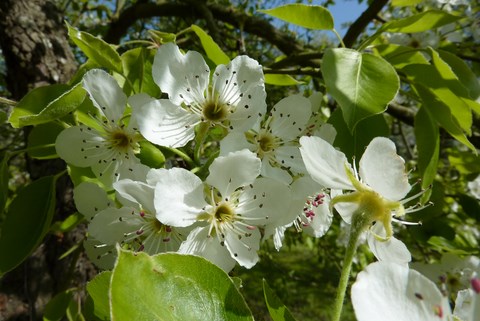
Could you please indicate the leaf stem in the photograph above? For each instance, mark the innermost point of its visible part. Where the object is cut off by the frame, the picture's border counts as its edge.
(357, 227)
(339, 38)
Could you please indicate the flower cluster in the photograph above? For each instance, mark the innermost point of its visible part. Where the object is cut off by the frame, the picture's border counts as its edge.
(273, 170)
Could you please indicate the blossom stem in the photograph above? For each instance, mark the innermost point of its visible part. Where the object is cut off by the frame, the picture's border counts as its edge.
(356, 228)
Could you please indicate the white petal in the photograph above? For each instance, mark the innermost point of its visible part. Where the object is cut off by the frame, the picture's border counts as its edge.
(234, 142)
(179, 197)
(467, 305)
(105, 93)
(275, 172)
(164, 123)
(249, 109)
(266, 201)
(201, 244)
(110, 225)
(383, 170)
(90, 199)
(136, 192)
(389, 291)
(290, 115)
(102, 255)
(289, 156)
(237, 169)
(183, 77)
(324, 163)
(392, 250)
(136, 102)
(327, 132)
(244, 250)
(77, 145)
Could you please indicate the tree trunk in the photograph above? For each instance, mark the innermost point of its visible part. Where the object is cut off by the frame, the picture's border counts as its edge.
(36, 50)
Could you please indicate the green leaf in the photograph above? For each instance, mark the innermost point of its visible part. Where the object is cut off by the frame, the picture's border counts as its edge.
(27, 220)
(470, 206)
(56, 308)
(162, 37)
(404, 3)
(4, 177)
(96, 49)
(41, 141)
(281, 80)
(400, 56)
(361, 83)
(173, 287)
(428, 145)
(213, 51)
(278, 311)
(464, 162)
(434, 81)
(3, 117)
(307, 16)
(35, 101)
(463, 72)
(353, 145)
(98, 289)
(424, 21)
(67, 224)
(137, 66)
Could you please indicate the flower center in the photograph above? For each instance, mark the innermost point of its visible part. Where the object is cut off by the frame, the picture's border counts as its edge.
(224, 213)
(119, 140)
(215, 111)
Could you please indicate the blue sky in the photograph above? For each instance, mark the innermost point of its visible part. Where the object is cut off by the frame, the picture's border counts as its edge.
(345, 11)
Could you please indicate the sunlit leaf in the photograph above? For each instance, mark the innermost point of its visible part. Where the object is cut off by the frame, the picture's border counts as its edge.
(27, 220)
(281, 80)
(137, 67)
(404, 3)
(213, 51)
(420, 22)
(151, 155)
(361, 83)
(173, 287)
(400, 56)
(96, 49)
(278, 311)
(308, 16)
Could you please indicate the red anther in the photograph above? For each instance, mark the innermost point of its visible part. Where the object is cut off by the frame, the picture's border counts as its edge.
(139, 232)
(475, 285)
(309, 214)
(438, 311)
(140, 249)
(168, 229)
(142, 213)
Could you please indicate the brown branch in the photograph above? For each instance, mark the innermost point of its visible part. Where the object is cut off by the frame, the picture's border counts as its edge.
(253, 25)
(362, 22)
(402, 113)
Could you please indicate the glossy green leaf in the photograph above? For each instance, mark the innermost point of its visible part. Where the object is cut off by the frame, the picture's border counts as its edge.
(137, 67)
(361, 83)
(281, 80)
(428, 145)
(442, 114)
(98, 289)
(400, 56)
(96, 49)
(420, 22)
(405, 3)
(173, 287)
(213, 51)
(35, 101)
(463, 72)
(307, 16)
(278, 311)
(57, 307)
(470, 206)
(27, 220)
(354, 144)
(41, 141)
(443, 89)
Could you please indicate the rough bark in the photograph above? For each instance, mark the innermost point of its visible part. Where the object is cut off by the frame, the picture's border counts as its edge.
(36, 50)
